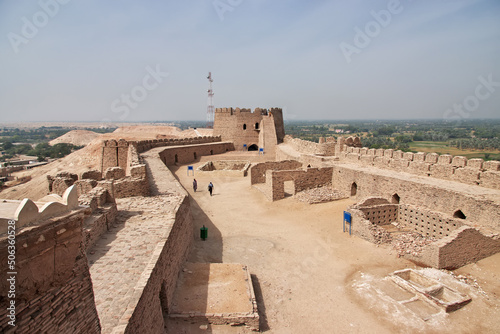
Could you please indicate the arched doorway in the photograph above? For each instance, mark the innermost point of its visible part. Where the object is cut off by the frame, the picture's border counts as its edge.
(354, 189)
(253, 147)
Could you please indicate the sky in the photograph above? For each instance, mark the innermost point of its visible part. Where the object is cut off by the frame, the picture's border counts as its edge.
(131, 61)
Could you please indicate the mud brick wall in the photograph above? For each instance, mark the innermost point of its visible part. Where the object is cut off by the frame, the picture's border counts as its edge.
(447, 167)
(240, 126)
(302, 179)
(131, 186)
(445, 198)
(147, 316)
(462, 246)
(381, 214)
(308, 147)
(364, 228)
(144, 145)
(427, 222)
(53, 288)
(258, 171)
(465, 245)
(189, 153)
(5, 171)
(95, 224)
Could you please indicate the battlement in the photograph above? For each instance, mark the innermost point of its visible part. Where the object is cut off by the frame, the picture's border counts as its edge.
(256, 111)
(444, 166)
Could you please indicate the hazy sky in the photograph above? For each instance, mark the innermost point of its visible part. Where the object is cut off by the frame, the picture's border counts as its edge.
(148, 60)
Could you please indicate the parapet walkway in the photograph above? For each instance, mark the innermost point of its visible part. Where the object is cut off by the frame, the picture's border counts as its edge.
(122, 259)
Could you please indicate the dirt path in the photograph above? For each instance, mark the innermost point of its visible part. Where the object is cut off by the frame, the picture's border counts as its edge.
(302, 264)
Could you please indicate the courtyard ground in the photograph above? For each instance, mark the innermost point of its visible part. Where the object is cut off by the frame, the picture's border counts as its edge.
(304, 268)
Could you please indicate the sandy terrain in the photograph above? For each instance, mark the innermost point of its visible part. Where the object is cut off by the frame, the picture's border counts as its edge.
(89, 156)
(306, 270)
(76, 137)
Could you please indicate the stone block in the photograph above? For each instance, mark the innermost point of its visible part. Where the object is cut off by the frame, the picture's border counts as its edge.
(114, 173)
(492, 165)
(432, 158)
(490, 179)
(445, 159)
(420, 156)
(459, 161)
(408, 156)
(442, 171)
(467, 175)
(419, 168)
(92, 174)
(475, 163)
(397, 154)
(388, 153)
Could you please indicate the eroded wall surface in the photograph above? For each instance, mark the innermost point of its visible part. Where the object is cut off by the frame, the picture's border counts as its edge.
(53, 286)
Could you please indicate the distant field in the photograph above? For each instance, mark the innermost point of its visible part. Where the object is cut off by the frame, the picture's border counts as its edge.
(442, 148)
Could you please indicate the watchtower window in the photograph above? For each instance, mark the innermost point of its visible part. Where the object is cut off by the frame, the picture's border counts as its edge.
(257, 126)
(244, 126)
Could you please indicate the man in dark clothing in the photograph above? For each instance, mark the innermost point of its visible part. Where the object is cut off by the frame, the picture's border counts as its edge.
(210, 188)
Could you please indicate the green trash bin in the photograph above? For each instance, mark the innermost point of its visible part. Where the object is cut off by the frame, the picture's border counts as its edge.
(203, 232)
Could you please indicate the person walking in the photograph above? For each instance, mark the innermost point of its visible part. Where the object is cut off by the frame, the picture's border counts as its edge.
(210, 188)
(195, 185)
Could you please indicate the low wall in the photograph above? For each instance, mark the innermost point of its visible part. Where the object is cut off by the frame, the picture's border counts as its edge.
(53, 286)
(258, 171)
(457, 244)
(478, 204)
(302, 179)
(236, 168)
(309, 147)
(447, 167)
(189, 153)
(157, 293)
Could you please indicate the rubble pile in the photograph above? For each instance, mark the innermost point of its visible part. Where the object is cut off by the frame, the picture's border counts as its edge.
(319, 195)
(410, 243)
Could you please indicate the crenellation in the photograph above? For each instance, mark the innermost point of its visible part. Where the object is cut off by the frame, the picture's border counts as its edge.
(419, 157)
(389, 153)
(491, 165)
(432, 158)
(445, 159)
(408, 156)
(459, 161)
(397, 155)
(475, 163)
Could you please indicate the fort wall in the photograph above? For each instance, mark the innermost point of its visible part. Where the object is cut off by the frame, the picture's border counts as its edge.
(189, 153)
(444, 197)
(258, 171)
(53, 286)
(302, 180)
(158, 289)
(445, 166)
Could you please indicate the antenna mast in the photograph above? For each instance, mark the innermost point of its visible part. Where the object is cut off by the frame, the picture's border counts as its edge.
(210, 105)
